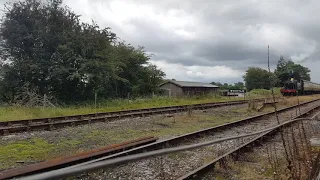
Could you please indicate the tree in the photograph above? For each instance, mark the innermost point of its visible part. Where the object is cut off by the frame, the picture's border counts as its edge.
(217, 84)
(238, 85)
(45, 47)
(226, 86)
(221, 86)
(287, 69)
(257, 78)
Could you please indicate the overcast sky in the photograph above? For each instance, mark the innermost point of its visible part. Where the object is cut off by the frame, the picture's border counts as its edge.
(212, 40)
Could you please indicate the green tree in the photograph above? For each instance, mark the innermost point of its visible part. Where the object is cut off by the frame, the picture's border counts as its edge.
(217, 84)
(45, 47)
(286, 69)
(33, 36)
(238, 85)
(257, 78)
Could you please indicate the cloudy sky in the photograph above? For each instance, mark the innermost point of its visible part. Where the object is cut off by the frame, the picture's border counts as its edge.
(212, 40)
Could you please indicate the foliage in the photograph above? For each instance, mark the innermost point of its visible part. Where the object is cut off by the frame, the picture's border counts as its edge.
(263, 92)
(238, 85)
(46, 48)
(287, 69)
(258, 78)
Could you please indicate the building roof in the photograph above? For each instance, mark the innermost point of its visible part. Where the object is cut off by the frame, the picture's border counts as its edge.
(190, 84)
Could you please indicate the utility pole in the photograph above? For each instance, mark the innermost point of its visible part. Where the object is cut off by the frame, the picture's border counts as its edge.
(271, 86)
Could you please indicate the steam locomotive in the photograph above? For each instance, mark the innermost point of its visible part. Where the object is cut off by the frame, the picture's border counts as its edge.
(302, 87)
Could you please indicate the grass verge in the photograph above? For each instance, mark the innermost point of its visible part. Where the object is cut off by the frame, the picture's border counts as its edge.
(39, 146)
(10, 113)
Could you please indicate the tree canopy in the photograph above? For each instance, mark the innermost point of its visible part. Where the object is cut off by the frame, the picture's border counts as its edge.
(287, 69)
(258, 78)
(45, 47)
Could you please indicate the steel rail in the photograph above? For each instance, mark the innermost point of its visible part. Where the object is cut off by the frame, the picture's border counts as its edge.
(74, 159)
(67, 172)
(60, 122)
(164, 143)
(62, 118)
(203, 169)
(197, 134)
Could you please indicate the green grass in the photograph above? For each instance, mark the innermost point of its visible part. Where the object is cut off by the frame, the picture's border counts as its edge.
(67, 141)
(256, 93)
(10, 113)
(72, 140)
(26, 151)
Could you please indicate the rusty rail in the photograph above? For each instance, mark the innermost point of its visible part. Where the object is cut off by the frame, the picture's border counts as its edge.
(75, 159)
(197, 173)
(64, 121)
(146, 152)
(197, 134)
(200, 133)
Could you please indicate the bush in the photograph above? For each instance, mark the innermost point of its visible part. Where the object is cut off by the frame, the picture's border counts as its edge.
(264, 92)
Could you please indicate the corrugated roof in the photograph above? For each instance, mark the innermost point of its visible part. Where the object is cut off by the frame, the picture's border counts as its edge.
(191, 84)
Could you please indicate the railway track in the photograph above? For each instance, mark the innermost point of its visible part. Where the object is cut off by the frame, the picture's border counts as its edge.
(246, 125)
(201, 172)
(71, 160)
(18, 126)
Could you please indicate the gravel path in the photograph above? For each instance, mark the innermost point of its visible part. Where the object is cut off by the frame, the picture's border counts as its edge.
(178, 164)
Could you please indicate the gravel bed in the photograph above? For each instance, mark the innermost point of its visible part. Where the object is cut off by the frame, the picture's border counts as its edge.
(257, 163)
(115, 115)
(174, 166)
(127, 123)
(69, 140)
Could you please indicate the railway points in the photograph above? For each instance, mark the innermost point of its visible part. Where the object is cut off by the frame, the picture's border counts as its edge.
(253, 122)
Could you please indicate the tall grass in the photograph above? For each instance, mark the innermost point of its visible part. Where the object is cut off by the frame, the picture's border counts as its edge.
(8, 113)
(257, 93)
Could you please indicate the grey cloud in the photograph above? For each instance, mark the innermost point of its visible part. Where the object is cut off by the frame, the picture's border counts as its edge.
(232, 46)
(230, 33)
(229, 17)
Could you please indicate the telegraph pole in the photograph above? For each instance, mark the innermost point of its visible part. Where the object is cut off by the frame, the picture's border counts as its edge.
(271, 86)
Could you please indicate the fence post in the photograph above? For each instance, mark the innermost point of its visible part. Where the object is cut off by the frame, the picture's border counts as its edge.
(95, 101)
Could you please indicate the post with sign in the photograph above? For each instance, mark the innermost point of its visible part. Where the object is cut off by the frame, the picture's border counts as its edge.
(237, 92)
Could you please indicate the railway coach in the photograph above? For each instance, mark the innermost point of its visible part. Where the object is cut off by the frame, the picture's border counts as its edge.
(302, 87)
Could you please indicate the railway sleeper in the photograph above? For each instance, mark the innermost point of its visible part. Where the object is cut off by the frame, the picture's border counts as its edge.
(49, 120)
(57, 124)
(223, 163)
(247, 148)
(235, 156)
(5, 132)
(51, 127)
